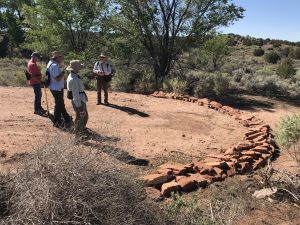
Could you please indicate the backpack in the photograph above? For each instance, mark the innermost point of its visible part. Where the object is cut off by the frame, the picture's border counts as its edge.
(48, 76)
(27, 74)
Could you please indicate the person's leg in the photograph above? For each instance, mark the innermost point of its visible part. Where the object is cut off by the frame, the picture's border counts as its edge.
(39, 100)
(63, 109)
(86, 118)
(57, 111)
(105, 88)
(36, 97)
(77, 119)
(99, 87)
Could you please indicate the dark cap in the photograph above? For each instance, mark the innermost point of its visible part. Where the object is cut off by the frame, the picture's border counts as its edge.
(36, 54)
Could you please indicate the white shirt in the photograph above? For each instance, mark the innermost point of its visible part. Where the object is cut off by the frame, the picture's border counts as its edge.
(55, 72)
(106, 68)
(74, 84)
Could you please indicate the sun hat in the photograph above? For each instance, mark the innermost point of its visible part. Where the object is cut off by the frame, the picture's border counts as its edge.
(102, 56)
(36, 54)
(75, 65)
(56, 54)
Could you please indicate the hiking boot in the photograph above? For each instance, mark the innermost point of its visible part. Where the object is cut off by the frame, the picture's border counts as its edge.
(106, 103)
(38, 112)
(98, 103)
(43, 111)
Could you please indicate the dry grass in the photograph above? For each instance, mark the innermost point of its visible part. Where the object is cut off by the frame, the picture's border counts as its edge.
(61, 184)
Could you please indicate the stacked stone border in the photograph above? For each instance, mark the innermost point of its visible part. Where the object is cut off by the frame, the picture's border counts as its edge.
(248, 155)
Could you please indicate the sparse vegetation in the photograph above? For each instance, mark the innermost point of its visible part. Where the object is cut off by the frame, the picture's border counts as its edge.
(272, 57)
(58, 184)
(286, 69)
(258, 52)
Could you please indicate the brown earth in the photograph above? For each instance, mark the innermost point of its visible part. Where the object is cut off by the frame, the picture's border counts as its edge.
(154, 129)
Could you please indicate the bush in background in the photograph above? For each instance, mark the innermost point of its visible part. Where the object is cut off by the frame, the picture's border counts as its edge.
(176, 85)
(258, 52)
(294, 53)
(272, 57)
(286, 69)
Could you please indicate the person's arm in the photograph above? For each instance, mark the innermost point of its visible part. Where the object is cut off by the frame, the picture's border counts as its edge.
(109, 69)
(57, 73)
(75, 92)
(96, 69)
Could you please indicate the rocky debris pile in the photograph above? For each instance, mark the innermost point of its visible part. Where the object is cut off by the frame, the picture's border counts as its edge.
(248, 155)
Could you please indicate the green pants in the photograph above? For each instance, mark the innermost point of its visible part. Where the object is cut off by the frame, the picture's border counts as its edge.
(80, 122)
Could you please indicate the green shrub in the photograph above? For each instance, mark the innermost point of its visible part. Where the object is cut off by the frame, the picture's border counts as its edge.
(289, 130)
(286, 69)
(212, 85)
(285, 51)
(221, 85)
(258, 52)
(295, 53)
(288, 135)
(176, 85)
(270, 85)
(247, 42)
(204, 86)
(272, 57)
(141, 81)
(186, 211)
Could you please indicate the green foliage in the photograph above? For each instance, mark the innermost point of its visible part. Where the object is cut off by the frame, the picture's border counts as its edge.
(212, 85)
(286, 51)
(258, 52)
(57, 28)
(176, 85)
(289, 130)
(213, 51)
(141, 81)
(247, 41)
(221, 85)
(294, 53)
(272, 57)
(158, 25)
(185, 211)
(286, 69)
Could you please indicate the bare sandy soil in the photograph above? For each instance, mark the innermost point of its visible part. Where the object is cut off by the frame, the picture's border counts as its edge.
(145, 127)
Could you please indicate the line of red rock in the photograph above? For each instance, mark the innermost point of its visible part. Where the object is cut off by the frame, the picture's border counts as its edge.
(250, 154)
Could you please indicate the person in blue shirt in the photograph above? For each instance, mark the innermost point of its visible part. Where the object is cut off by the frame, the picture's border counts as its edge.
(61, 117)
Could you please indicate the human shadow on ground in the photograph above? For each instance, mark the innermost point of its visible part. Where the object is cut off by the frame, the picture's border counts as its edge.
(118, 154)
(96, 141)
(130, 111)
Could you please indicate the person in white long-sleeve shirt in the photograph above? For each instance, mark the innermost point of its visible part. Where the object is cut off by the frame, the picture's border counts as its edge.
(78, 96)
(103, 71)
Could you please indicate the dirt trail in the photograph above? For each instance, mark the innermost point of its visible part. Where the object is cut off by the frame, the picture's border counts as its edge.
(146, 127)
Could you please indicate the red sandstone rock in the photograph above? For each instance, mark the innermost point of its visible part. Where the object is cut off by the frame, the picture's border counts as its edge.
(168, 188)
(253, 136)
(246, 158)
(220, 157)
(187, 184)
(251, 153)
(200, 179)
(259, 163)
(230, 151)
(221, 165)
(215, 105)
(244, 146)
(155, 179)
(261, 149)
(244, 167)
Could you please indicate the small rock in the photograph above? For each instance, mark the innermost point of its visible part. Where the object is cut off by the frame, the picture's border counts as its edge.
(266, 192)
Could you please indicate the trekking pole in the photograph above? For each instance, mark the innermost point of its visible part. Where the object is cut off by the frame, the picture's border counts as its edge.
(48, 113)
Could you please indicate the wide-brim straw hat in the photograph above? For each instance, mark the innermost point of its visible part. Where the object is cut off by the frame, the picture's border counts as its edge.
(56, 54)
(36, 54)
(102, 56)
(75, 65)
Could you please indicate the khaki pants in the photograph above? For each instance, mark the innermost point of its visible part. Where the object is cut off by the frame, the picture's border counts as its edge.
(101, 84)
(80, 122)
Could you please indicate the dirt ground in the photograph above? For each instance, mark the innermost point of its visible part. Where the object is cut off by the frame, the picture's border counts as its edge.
(144, 127)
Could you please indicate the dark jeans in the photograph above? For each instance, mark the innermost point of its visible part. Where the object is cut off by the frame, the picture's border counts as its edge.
(101, 84)
(60, 108)
(37, 97)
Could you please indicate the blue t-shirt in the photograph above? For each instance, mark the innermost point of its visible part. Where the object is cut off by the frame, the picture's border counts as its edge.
(55, 72)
